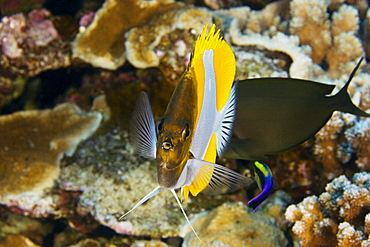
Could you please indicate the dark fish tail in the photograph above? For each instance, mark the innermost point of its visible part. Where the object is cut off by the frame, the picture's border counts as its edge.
(343, 101)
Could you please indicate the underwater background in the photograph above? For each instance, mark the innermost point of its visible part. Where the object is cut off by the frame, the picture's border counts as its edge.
(69, 77)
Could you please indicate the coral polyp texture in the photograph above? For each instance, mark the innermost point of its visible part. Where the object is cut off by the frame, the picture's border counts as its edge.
(338, 217)
(31, 148)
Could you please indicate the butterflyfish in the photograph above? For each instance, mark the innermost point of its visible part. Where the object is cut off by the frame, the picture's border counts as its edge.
(264, 179)
(196, 126)
(276, 114)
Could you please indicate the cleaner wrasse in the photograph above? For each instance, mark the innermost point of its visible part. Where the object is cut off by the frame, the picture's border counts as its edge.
(264, 179)
(196, 126)
(276, 114)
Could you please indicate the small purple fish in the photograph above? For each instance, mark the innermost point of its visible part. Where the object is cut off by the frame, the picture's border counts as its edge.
(264, 179)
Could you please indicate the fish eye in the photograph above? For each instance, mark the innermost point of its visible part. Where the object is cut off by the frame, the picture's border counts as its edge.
(167, 145)
(160, 126)
(185, 133)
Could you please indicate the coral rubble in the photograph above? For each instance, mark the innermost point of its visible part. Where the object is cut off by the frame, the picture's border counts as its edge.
(339, 217)
(32, 146)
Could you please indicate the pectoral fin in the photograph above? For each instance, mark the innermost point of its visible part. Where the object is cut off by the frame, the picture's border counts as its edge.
(142, 128)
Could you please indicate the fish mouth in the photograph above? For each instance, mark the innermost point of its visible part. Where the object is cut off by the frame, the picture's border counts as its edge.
(168, 174)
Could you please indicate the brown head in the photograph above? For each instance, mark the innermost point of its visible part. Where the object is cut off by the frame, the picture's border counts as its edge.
(175, 133)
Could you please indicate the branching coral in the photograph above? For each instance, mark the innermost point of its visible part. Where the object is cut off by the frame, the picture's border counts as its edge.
(339, 217)
(326, 146)
(31, 147)
(345, 135)
(310, 23)
(345, 25)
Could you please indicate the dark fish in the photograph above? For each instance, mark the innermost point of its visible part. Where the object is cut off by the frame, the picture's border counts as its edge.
(276, 114)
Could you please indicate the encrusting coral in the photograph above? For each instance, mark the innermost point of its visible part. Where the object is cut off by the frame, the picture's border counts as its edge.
(243, 228)
(31, 148)
(339, 217)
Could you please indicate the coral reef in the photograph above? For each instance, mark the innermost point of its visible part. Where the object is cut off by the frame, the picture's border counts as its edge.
(308, 29)
(345, 135)
(102, 43)
(9, 7)
(31, 147)
(34, 229)
(339, 217)
(31, 45)
(149, 42)
(17, 240)
(243, 228)
(113, 180)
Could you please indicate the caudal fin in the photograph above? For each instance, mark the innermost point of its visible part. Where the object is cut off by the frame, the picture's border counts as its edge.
(343, 100)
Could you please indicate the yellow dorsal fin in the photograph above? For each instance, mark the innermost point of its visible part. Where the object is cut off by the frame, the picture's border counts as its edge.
(223, 63)
(205, 173)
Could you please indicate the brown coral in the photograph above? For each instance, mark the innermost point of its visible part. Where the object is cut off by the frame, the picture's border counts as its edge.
(311, 225)
(33, 143)
(326, 145)
(310, 23)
